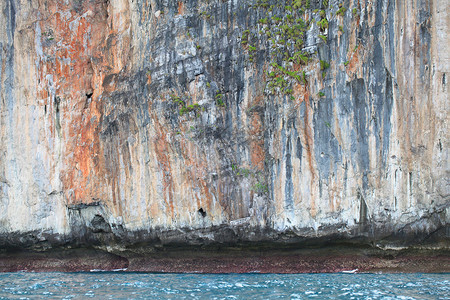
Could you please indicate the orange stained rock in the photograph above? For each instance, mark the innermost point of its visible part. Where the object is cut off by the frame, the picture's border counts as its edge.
(180, 8)
(301, 93)
(163, 151)
(257, 142)
(197, 168)
(353, 62)
(71, 40)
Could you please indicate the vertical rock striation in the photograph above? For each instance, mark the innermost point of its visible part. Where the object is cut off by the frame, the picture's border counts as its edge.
(151, 120)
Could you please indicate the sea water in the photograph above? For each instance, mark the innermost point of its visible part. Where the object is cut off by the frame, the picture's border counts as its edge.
(122, 285)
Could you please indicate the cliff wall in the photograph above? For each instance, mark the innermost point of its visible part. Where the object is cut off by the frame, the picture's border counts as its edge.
(196, 121)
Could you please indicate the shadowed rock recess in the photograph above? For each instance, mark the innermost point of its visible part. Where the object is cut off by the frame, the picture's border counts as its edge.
(131, 125)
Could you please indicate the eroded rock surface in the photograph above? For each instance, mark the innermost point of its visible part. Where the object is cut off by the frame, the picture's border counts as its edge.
(129, 121)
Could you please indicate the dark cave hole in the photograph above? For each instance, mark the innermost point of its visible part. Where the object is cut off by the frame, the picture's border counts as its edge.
(202, 212)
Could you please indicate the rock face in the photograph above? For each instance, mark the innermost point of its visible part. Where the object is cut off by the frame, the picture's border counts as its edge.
(203, 121)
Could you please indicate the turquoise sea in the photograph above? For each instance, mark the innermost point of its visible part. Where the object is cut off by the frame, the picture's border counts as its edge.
(122, 285)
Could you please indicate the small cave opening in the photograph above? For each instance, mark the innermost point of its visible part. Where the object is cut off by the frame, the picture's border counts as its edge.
(89, 95)
(99, 224)
(202, 212)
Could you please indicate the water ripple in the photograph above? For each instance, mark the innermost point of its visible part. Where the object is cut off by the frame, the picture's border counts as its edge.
(116, 285)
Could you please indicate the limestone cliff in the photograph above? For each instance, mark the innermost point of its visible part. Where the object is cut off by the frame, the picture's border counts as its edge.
(199, 121)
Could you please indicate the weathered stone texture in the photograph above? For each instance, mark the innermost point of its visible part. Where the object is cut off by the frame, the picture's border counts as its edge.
(93, 146)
